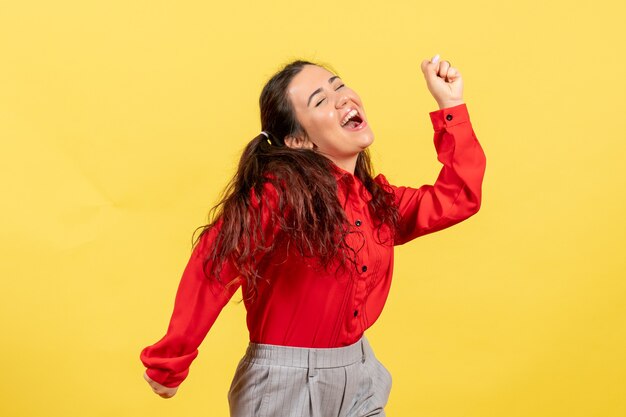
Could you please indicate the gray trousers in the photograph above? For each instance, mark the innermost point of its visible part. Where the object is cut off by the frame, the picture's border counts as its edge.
(283, 381)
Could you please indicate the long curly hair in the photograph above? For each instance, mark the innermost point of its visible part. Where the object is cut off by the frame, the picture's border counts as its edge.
(316, 223)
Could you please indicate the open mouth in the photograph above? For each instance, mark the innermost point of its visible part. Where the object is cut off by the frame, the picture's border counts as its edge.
(352, 120)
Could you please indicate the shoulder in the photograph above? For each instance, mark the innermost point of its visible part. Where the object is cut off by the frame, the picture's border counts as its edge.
(381, 180)
(267, 190)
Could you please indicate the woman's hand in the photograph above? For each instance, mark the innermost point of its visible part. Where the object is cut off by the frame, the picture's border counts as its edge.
(163, 391)
(444, 82)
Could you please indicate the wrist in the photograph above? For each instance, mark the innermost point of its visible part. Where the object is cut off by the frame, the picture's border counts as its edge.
(445, 105)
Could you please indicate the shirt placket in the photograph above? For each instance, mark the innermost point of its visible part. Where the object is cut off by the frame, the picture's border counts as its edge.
(360, 294)
(354, 211)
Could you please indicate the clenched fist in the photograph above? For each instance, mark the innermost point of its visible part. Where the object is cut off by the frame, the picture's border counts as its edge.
(444, 82)
(162, 391)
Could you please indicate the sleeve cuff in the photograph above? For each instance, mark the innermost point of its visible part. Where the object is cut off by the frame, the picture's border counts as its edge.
(449, 116)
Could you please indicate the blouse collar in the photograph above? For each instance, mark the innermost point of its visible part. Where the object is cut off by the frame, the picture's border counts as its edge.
(351, 189)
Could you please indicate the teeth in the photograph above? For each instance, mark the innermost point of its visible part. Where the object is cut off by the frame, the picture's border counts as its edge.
(347, 117)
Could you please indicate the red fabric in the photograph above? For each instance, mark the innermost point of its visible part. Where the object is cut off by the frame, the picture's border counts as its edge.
(305, 307)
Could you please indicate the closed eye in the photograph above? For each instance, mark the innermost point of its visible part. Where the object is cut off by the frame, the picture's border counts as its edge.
(320, 102)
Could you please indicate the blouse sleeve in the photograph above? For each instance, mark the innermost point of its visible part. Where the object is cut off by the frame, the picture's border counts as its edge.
(197, 304)
(456, 194)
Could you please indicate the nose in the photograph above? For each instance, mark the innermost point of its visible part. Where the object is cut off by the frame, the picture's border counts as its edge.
(343, 99)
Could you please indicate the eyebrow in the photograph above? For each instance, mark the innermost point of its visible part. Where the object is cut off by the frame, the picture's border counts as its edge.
(319, 90)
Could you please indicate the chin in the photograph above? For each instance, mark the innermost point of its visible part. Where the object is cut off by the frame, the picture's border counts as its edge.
(366, 139)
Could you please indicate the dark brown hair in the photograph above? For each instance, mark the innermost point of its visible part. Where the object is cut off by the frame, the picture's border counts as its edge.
(308, 213)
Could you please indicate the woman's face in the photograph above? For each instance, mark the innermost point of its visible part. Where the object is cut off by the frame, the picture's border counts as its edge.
(323, 104)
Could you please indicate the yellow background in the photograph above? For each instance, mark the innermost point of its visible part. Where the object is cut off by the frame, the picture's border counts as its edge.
(121, 121)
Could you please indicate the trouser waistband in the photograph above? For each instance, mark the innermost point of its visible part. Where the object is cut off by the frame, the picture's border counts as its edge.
(311, 358)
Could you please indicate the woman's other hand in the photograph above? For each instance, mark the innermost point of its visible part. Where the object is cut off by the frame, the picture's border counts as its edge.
(162, 391)
(444, 82)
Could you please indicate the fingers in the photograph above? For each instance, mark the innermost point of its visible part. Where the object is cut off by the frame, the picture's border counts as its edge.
(160, 390)
(164, 392)
(426, 64)
(452, 74)
(444, 66)
(442, 69)
(446, 71)
(169, 393)
(431, 68)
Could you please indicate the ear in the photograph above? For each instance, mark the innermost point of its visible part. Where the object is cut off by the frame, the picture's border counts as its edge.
(299, 142)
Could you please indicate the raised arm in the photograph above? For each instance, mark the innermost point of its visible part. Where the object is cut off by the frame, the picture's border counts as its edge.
(456, 194)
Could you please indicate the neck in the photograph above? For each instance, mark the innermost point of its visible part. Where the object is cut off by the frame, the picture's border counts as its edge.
(347, 164)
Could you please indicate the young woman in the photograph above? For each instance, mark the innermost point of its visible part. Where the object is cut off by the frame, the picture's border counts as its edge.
(308, 232)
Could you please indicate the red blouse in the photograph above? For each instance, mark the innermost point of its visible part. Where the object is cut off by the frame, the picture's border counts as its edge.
(304, 306)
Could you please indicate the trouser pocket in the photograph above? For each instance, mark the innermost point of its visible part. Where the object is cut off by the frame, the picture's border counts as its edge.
(249, 391)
